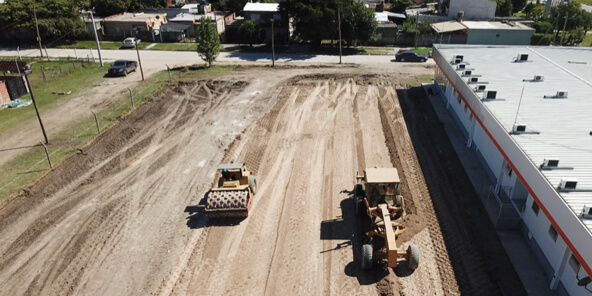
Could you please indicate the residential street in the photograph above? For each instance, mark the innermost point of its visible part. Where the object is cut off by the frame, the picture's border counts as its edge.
(156, 59)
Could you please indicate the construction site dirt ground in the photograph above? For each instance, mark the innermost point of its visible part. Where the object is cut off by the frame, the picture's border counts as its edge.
(125, 215)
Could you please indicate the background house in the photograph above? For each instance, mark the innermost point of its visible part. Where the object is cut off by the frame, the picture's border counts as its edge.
(470, 9)
(450, 32)
(12, 84)
(140, 25)
(498, 33)
(192, 20)
(264, 12)
(386, 32)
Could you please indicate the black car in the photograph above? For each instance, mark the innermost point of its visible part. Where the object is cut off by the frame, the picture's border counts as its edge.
(410, 56)
(122, 67)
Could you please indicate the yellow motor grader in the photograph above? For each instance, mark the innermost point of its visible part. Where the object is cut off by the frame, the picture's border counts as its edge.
(381, 208)
(235, 192)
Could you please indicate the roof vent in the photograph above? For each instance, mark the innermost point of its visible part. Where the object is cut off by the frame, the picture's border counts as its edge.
(550, 163)
(523, 57)
(561, 94)
(480, 88)
(473, 80)
(553, 164)
(458, 57)
(539, 78)
(489, 95)
(461, 66)
(467, 73)
(566, 185)
(519, 128)
(587, 212)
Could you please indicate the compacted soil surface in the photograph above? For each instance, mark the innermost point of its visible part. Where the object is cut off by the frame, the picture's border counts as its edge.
(125, 215)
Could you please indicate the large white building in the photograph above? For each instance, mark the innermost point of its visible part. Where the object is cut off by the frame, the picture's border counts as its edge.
(527, 114)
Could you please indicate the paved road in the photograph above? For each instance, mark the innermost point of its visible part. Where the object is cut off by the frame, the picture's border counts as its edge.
(178, 58)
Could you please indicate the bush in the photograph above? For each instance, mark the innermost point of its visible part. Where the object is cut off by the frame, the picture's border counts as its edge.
(541, 39)
(543, 27)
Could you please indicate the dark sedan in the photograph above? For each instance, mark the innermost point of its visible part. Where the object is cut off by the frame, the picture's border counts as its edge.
(122, 67)
(410, 56)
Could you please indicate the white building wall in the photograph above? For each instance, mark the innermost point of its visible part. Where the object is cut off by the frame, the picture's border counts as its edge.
(493, 157)
(473, 9)
(551, 203)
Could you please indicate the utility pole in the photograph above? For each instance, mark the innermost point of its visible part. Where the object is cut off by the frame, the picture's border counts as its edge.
(92, 19)
(564, 24)
(339, 25)
(37, 28)
(416, 25)
(27, 71)
(272, 45)
(139, 61)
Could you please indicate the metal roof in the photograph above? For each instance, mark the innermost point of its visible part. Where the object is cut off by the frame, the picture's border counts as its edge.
(484, 25)
(271, 7)
(565, 124)
(382, 175)
(449, 26)
(138, 17)
(231, 166)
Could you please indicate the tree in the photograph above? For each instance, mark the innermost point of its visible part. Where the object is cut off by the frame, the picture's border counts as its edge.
(543, 27)
(399, 6)
(504, 8)
(536, 13)
(572, 11)
(55, 18)
(249, 30)
(518, 5)
(208, 42)
(236, 6)
(358, 24)
(109, 7)
(316, 20)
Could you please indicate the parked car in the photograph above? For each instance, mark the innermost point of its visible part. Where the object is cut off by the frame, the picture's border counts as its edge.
(131, 42)
(410, 56)
(122, 67)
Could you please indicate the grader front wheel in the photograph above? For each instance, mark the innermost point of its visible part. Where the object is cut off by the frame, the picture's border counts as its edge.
(413, 256)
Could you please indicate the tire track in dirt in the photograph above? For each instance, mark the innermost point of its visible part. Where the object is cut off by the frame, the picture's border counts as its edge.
(453, 196)
(122, 151)
(404, 158)
(199, 263)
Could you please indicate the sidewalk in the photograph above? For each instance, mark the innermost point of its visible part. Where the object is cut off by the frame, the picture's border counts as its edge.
(526, 264)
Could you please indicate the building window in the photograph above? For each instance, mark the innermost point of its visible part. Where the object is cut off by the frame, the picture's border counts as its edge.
(466, 108)
(553, 233)
(471, 117)
(574, 263)
(458, 99)
(497, 35)
(535, 207)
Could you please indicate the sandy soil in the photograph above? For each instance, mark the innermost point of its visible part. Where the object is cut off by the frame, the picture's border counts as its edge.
(124, 216)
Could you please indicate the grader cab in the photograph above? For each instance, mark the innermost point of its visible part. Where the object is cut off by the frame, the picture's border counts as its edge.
(381, 208)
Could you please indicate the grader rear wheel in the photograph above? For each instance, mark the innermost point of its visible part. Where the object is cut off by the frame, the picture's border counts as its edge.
(367, 253)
